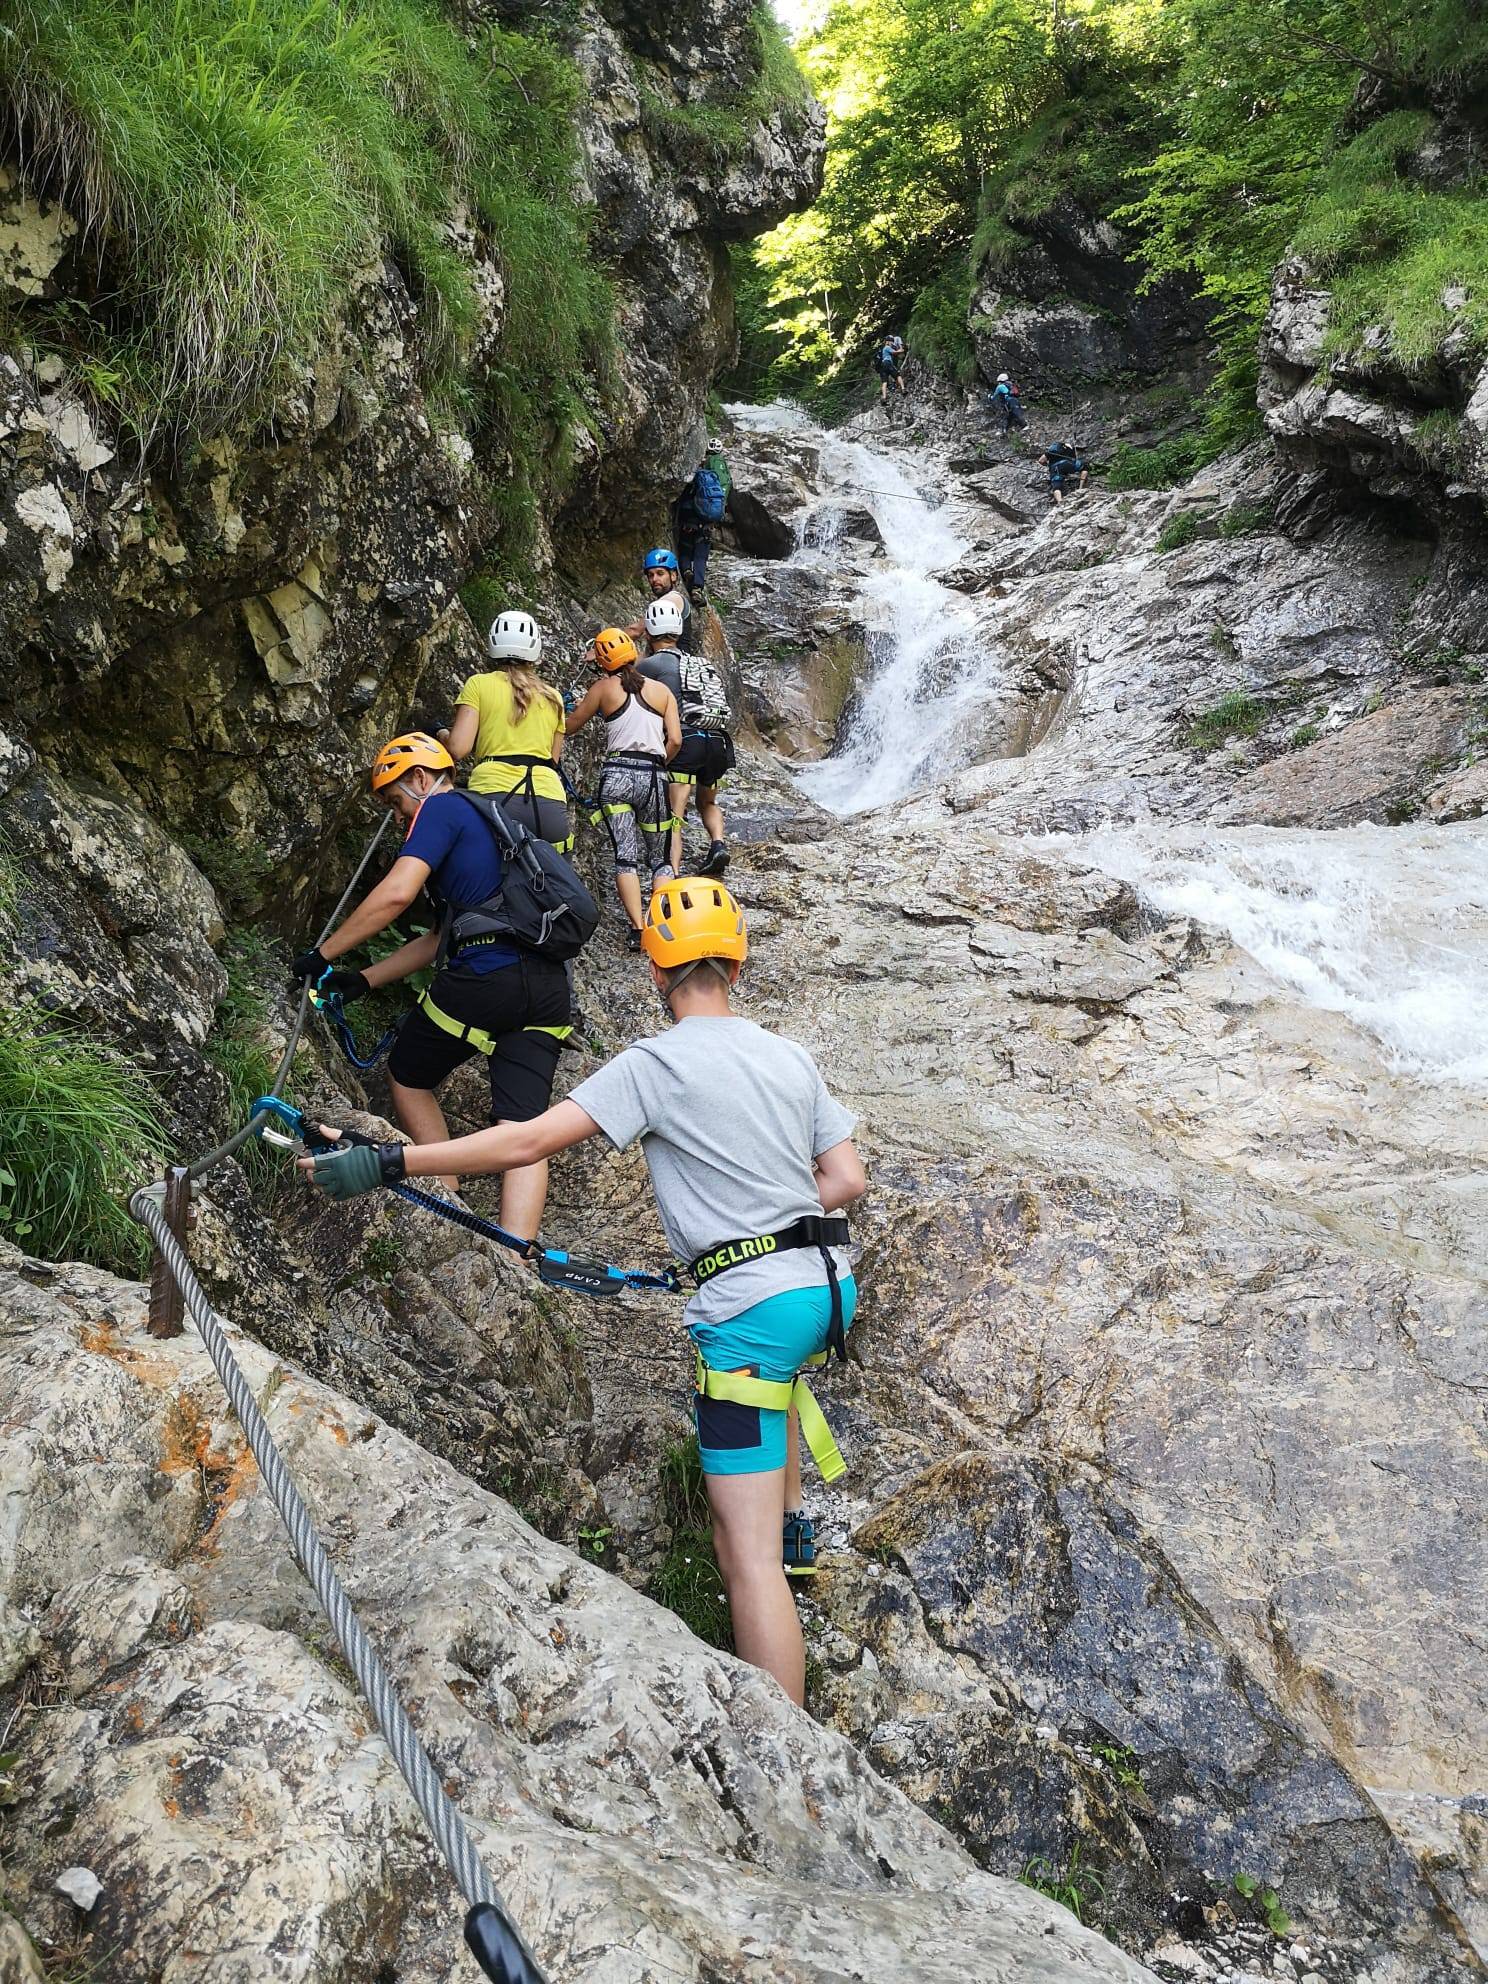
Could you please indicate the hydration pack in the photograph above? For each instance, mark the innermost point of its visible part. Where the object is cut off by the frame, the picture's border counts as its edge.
(541, 905)
(703, 703)
(708, 496)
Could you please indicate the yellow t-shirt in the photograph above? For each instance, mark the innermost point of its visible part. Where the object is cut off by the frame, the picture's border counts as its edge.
(503, 734)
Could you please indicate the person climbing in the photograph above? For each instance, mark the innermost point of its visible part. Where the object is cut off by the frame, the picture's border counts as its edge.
(513, 721)
(487, 997)
(663, 576)
(1006, 404)
(703, 503)
(745, 1146)
(642, 733)
(707, 752)
(890, 364)
(1063, 464)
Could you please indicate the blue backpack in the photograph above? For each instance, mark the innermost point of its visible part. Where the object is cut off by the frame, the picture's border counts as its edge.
(708, 496)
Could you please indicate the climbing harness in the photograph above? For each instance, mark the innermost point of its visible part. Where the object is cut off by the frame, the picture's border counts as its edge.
(555, 1266)
(779, 1395)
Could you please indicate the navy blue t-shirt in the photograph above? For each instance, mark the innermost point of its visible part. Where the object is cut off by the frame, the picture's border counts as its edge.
(464, 865)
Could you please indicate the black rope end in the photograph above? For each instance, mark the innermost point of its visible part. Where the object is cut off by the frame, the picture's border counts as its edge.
(498, 1949)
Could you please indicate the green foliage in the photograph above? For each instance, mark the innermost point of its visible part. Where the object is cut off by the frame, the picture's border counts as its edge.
(1241, 519)
(79, 1129)
(1267, 1903)
(1305, 734)
(688, 1580)
(1122, 1763)
(718, 129)
(937, 330)
(1234, 715)
(237, 1044)
(1183, 529)
(237, 869)
(236, 166)
(1162, 467)
(1073, 1885)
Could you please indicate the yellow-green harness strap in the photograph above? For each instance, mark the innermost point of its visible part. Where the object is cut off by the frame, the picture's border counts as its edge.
(476, 1036)
(774, 1395)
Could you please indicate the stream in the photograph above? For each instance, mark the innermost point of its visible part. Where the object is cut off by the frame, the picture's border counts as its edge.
(1387, 926)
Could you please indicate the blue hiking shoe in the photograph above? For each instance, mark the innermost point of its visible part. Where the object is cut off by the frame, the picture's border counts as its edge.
(798, 1545)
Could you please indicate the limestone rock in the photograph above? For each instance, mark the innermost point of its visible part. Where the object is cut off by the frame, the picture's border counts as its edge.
(644, 1804)
(1372, 769)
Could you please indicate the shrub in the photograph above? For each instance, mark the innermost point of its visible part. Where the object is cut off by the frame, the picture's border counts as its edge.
(1161, 467)
(937, 329)
(1243, 518)
(1234, 715)
(1178, 531)
(79, 1129)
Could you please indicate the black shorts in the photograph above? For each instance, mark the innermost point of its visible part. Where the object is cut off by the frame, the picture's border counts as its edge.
(706, 757)
(509, 1003)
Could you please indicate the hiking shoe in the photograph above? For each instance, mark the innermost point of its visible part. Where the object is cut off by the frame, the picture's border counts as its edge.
(717, 859)
(798, 1546)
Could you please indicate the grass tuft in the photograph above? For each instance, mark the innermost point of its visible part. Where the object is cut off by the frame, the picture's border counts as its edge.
(1183, 529)
(1162, 467)
(1073, 1885)
(688, 1580)
(1234, 715)
(79, 1129)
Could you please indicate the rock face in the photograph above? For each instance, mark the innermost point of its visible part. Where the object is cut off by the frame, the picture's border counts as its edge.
(203, 1756)
(1065, 310)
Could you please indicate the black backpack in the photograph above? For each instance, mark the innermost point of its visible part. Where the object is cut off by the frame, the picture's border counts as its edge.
(541, 905)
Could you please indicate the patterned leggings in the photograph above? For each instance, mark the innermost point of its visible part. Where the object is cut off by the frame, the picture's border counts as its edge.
(634, 807)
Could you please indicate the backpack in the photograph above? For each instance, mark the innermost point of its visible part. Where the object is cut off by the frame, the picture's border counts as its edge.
(708, 496)
(704, 702)
(541, 905)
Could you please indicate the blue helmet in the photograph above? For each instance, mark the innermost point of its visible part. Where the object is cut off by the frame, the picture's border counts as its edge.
(657, 561)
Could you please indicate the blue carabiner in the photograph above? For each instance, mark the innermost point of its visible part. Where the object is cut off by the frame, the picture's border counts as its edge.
(284, 1112)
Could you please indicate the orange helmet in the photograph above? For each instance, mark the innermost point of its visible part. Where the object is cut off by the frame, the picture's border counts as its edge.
(407, 754)
(614, 650)
(693, 919)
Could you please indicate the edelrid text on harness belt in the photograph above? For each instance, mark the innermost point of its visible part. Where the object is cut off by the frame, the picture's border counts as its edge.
(779, 1395)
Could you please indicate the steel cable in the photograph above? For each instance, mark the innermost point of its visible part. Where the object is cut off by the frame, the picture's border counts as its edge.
(490, 1931)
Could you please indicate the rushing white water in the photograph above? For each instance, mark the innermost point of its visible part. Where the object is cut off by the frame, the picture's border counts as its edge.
(1386, 924)
(927, 665)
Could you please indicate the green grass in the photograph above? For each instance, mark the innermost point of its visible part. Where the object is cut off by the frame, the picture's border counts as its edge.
(937, 330)
(1242, 519)
(236, 164)
(238, 1044)
(1072, 1885)
(79, 1129)
(719, 129)
(1390, 246)
(1305, 734)
(1183, 529)
(237, 869)
(1234, 715)
(688, 1580)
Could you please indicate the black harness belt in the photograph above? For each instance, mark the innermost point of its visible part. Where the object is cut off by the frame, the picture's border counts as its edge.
(779, 1396)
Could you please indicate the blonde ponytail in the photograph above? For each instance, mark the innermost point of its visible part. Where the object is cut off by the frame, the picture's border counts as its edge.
(525, 686)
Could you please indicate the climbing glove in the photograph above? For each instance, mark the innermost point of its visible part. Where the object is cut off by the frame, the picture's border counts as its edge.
(347, 1172)
(309, 964)
(343, 985)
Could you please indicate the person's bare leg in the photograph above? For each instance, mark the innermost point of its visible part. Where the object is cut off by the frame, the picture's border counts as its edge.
(418, 1112)
(710, 812)
(628, 888)
(748, 1510)
(524, 1193)
(677, 798)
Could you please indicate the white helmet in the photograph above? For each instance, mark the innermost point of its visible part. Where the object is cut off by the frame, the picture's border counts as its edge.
(1002, 379)
(663, 616)
(715, 446)
(514, 637)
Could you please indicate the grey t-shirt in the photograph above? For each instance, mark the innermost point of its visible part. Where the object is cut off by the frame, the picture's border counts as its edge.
(665, 665)
(731, 1119)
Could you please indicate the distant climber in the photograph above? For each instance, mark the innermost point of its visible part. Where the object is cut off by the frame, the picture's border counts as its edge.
(513, 721)
(642, 733)
(487, 997)
(1006, 404)
(749, 1157)
(662, 571)
(702, 504)
(890, 366)
(1064, 465)
(707, 752)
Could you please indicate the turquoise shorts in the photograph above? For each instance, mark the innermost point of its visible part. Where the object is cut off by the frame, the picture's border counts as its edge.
(772, 1340)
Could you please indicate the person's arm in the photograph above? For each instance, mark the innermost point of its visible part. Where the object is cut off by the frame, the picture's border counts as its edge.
(589, 703)
(383, 905)
(459, 739)
(357, 1168)
(405, 961)
(840, 1177)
